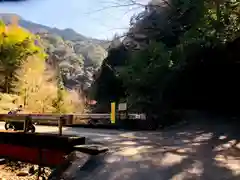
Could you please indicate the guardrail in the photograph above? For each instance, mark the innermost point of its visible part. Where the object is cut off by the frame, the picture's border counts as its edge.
(25, 117)
(69, 119)
(107, 116)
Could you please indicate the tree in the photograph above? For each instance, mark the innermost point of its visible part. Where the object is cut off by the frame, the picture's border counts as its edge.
(38, 88)
(165, 43)
(16, 44)
(35, 86)
(107, 86)
(96, 54)
(185, 29)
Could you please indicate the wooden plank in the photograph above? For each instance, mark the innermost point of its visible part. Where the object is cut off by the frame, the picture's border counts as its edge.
(27, 147)
(91, 149)
(41, 140)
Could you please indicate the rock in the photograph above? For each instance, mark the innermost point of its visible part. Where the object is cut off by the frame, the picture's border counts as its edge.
(31, 170)
(42, 178)
(2, 161)
(22, 173)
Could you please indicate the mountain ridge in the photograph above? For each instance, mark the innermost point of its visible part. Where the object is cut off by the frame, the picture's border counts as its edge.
(78, 56)
(67, 33)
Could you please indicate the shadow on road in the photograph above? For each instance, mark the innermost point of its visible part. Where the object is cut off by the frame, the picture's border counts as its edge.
(195, 152)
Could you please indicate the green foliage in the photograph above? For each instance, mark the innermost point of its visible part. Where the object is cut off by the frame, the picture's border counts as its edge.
(146, 77)
(166, 38)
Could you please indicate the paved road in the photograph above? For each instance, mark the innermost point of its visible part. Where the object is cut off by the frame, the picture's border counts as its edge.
(193, 152)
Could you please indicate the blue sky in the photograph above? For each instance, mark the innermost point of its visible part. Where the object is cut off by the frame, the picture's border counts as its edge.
(84, 16)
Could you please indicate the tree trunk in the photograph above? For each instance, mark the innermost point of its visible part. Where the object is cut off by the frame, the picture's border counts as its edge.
(6, 84)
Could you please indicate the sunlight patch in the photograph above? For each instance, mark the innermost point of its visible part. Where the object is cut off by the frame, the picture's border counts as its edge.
(169, 159)
(229, 143)
(127, 135)
(222, 137)
(186, 141)
(184, 150)
(197, 168)
(107, 138)
(113, 159)
(225, 146)
(131, 136)
(196, 144)
(203, 137)
(193, 172)
(126, 143)
(123, 173)
(131, 151)
(238, 146)
(231, 163)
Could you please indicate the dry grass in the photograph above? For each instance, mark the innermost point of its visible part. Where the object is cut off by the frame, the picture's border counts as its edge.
(7, 102)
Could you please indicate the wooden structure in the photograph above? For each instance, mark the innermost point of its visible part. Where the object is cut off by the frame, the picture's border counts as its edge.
(49, 150)
(42, 149)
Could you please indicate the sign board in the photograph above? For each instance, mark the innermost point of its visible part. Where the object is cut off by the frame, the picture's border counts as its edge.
(122, 106)
(137, 116)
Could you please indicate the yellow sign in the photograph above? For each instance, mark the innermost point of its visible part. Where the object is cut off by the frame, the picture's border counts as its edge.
(113, 112)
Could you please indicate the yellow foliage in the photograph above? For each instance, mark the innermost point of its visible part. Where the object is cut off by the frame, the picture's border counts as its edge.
(14, 34)
(77, 101)
(38, 89)
(16, 45)
(36, 86)
(71, 102)
(31, 84)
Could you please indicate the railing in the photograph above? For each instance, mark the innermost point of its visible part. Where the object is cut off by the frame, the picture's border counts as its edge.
(132, 116)
(60, 119)
(106, 115)
(68, 119)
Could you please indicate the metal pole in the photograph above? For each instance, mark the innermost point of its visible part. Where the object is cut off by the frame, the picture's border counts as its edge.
(25, 124)
(60, 123)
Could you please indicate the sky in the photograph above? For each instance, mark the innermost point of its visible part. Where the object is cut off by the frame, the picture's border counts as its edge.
(92, 18)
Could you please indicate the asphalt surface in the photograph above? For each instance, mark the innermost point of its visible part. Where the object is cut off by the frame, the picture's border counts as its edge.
(192, 152)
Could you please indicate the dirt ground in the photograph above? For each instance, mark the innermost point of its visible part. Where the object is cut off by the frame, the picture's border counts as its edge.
(18, 171)
(208, 149)
(204, 151)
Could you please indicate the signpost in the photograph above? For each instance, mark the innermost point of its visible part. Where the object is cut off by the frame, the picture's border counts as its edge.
(60, 124)
(122, 111)
(122, 107)
(113, 112)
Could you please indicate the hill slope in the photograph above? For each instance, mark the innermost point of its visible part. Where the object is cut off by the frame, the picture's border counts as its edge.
(78, 56)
